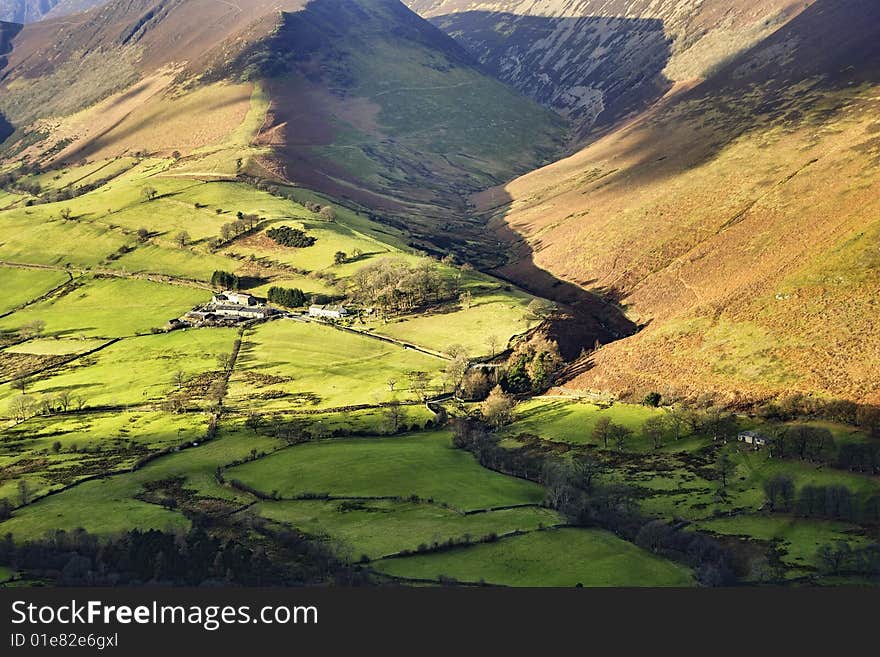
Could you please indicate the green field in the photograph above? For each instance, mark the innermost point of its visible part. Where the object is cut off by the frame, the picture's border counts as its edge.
(110, 505)
(557, 557)
(25, 285)
(312, 366)
(423, 465)
(799, 538)
(55, 346)
(108, 308)
(492, 312)
(135, 371)
(573, 421)
(381, 527)
(53, 453)
(305, 429)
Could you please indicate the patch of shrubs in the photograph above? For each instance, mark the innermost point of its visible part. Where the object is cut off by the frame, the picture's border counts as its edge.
(225, 280)
(287, 297)
(292, 237)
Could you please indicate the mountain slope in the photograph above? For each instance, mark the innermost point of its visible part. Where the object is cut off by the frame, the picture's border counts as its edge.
(595, 61)
(30, 11)
(367, 101)
(388, 111)
(738, 222)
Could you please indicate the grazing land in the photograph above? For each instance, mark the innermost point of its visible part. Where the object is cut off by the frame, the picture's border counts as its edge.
(273, 287)
(423, 466)
(556, 557)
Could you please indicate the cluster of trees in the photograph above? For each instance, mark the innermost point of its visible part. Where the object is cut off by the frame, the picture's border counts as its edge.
(605, 431)
(835, 501)
(532, 365)
(391, 284)
(859, 457)
(243, 224)
(14, 182)
(326, 212)
(193, 559)
(795, 406)
(817, 445)
(804, 442)
(292, 237)
(287, 297)
(23, 407)
(224, 280)
(840, 558)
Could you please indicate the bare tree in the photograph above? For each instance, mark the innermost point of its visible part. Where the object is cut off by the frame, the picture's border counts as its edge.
(493, 342)
(393, 416)
(620, 435)
(32, 329)
(391, 383)
(21, 383)
(254, 421)
(25, 492)
(586, 470)
(498, 408)
(21, 407)
(418, 383)
(653, 430)
(725, 467)
(224, 362)
(601, 430)
(677, 421)
(64, 399)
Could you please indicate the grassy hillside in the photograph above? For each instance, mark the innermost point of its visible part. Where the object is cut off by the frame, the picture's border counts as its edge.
(736, 221)
(399, 120)
(363, 101)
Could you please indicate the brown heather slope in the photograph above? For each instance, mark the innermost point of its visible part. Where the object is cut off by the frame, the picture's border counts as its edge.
(118, 78)
(739, 222)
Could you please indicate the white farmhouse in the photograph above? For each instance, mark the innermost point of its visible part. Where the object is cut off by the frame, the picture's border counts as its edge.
(753, 438)
(234, 299)
(328, 312)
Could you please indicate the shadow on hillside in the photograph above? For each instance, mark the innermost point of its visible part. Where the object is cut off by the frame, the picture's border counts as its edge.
(832, 44)
(590, 69)
(6, 129)
(587, 318)
(785, 82)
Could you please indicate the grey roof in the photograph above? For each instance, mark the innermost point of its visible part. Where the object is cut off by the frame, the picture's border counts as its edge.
(253, 310)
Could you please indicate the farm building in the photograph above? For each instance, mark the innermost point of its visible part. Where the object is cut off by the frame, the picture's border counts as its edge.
(175, 324)
(235, 299)
(328, 312)
(752, 438)
(242, 312)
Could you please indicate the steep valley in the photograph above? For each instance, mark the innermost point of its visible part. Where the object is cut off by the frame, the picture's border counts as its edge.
(506, 293)
(736, 221)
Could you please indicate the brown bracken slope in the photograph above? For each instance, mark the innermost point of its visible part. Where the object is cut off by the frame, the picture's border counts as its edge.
(738, 222)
